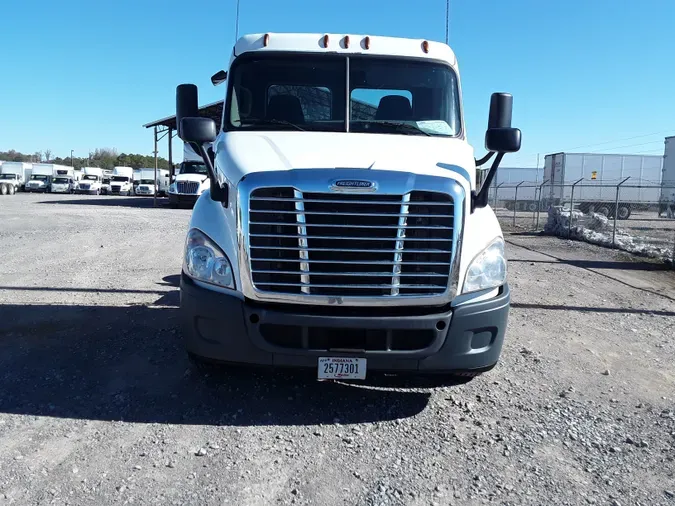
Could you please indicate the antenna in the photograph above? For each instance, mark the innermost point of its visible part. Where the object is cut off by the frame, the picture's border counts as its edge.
(447, 20)
(236, 28)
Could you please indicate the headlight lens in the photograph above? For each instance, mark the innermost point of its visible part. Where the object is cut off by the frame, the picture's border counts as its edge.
(205, 261)
(488, 269)
(172, 188)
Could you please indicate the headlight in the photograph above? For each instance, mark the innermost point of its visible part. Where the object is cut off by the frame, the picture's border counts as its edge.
(172, 188)
(488, 269)
(205, 261)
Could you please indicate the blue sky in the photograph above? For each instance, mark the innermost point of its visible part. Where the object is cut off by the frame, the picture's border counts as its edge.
(586, 75)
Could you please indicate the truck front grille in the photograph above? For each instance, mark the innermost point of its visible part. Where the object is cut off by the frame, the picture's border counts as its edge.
(115, 188)
(190, 187)
(350, 244)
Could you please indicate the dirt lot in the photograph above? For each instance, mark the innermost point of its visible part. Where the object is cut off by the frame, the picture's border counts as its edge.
(98, 404)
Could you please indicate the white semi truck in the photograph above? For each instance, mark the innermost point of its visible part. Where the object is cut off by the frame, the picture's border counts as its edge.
(15, 174)
(342, 230)
(42, 175)
(91, 182)
(191, 181)
(147, 184)
(121, 181)
(597, 176)
(63, 181)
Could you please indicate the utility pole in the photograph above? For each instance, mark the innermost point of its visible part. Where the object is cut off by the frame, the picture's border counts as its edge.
(71, 159)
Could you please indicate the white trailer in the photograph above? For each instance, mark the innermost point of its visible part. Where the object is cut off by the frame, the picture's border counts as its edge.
(16, 174)
(42, 175)
(91, 182)
(145, 185)
(121, 181)
(598, 176)
(525, 196)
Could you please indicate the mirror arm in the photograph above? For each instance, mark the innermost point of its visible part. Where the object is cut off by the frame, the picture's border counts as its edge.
(218, 193)
(485, 158)
(480, 199)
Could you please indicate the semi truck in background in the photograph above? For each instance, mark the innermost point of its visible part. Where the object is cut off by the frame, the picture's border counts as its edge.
(598, 176)
(191, 180)
(343, 243)
(42, 175)
(15, 174)
(63, 181)
(147, 184)
(105, 182)
(121, 181)
(91, 182)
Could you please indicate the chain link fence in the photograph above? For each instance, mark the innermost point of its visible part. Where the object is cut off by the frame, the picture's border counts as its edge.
(639, 218)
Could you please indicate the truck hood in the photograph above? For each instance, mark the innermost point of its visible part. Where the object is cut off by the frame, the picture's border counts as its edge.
(199, 178)
(245, 152)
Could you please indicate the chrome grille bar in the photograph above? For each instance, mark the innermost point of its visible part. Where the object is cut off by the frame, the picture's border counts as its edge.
(400, 241)
(302, 241)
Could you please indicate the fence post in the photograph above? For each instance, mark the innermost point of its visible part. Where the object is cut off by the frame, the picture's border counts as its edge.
(496, 191)
(616, 210)
(515, 203)
(569, 223)
(541, 189)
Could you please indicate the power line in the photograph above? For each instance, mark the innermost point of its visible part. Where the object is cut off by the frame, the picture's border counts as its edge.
(633, 145)
(616, 140)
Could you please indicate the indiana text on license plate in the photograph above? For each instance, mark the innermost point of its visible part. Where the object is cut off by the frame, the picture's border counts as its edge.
(342, 368)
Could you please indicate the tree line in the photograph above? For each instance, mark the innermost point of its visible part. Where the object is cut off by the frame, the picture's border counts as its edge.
(106, 158)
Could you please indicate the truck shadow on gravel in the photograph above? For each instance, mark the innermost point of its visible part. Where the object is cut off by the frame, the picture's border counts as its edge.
(136, 202)
(127, 363)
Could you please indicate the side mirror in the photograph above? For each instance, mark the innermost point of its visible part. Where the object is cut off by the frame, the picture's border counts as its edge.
(500, 136)
(186, 104)
(218, 77)
(198, 130)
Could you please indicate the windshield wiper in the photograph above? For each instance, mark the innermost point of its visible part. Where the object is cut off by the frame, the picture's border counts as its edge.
(270, 121)
(402, 127)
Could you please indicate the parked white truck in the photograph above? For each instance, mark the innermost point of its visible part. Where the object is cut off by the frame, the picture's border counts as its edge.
(63, 181)
(597, 176)
(15, 174)
(342, 230)
(121, 181)
(146, 178)
(191, 181)
(91, 182)
(42, 175)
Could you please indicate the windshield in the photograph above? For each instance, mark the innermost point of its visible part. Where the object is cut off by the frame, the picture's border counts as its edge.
(386, 95)
(91, 178)
(61, 180)
(106, 180)
(7, 176)
(123, 179)
(146, 181)
(193, 168)
(39, 177)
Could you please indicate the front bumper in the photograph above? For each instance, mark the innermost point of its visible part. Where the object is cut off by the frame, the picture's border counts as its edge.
(91, 191)
(224, 328)
(182, 199)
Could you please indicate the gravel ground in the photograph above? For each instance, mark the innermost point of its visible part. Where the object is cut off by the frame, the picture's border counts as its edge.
(99, 405)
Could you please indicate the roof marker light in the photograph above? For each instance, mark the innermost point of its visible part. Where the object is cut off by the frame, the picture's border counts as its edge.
(366, 42)
(266, 39)
(425, 46)
(325, 40)
(346, 39)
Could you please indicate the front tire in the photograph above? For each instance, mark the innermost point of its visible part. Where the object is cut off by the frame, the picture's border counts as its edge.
(3, 189)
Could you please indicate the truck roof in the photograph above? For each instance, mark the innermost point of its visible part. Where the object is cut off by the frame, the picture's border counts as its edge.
(345, 43)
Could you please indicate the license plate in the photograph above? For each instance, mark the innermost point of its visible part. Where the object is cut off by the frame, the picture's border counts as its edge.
(342, 368)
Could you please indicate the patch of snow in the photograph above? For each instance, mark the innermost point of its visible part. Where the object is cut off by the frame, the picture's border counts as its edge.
(596, 228)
